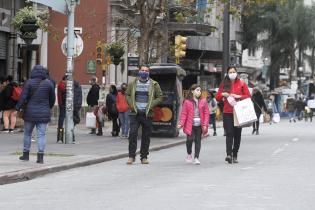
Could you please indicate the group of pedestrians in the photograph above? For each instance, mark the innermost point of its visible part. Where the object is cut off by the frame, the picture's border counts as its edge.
(131, 107)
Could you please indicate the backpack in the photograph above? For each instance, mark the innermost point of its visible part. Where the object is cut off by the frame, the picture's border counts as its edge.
(16, 93)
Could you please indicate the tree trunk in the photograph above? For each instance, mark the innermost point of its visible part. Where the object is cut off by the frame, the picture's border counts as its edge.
(144, 44)
(274, 70)
(292, 65)
(149, 10)
(313, 62)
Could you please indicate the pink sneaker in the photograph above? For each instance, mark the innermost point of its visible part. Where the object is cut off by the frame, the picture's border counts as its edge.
(189, 159)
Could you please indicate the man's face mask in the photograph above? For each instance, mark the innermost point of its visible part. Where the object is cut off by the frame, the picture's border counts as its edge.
(144, 74)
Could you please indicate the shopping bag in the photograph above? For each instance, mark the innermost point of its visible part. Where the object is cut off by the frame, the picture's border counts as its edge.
(266, 117)
(244, 113)
(90, 120)
(276, 117)
(261, 118)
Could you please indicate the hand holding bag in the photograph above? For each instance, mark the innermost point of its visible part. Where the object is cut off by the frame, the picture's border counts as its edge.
(244, 113)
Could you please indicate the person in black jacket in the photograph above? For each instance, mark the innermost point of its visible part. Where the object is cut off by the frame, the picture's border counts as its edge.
(259, 105)
(8, 105)
(112, 112)
(92, 98)
(77, 104)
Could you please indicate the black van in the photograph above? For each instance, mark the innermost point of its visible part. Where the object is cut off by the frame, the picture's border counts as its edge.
(166, 115)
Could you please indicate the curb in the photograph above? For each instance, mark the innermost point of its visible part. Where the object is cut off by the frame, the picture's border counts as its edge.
(28, 174)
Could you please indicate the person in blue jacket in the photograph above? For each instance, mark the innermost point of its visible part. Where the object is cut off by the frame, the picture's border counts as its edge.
(39, 94)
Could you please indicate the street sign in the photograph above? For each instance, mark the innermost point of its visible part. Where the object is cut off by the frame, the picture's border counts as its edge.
(56, 5)
(90, 67)
(78, 46)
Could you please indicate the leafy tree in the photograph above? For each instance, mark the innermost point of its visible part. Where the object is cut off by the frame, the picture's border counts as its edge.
(151, 9)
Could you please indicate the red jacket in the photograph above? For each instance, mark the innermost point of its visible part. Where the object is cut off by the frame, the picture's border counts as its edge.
(187, 115)
(238, 87)
(61, 93)
(121, 102)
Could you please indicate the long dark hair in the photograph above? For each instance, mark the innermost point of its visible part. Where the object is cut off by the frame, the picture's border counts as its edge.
(190, 94)
(113, 89)
(226, 81)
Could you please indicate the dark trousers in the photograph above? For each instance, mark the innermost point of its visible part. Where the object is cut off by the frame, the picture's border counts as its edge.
(256, 124)
(233, 134)
(116, 127)
(212, 121)
(194, 137)
(62, 115)
(146, 124)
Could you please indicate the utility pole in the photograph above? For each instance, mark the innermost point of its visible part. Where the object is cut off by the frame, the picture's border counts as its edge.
(69, 126)
(13, 47)
(226, 39)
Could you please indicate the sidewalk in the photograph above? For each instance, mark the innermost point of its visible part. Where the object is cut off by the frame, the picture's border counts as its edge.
(89, 149)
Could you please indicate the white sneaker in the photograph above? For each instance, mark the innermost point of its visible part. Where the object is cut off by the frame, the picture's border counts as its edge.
(196, 161)
(189, 159)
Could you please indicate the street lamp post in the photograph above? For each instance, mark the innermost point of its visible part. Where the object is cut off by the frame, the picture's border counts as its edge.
(299, 75)
(69, 126)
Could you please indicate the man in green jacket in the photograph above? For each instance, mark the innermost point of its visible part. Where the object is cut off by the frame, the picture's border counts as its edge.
(142, 94)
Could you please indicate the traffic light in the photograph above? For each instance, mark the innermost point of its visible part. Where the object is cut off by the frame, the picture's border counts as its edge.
(100, 51)
(180, 47)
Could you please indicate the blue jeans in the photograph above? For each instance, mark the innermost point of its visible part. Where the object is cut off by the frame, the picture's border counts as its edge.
(41, 136)
(291, 115)
(125, 121)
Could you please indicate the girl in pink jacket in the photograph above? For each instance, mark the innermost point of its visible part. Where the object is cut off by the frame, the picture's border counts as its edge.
(194, 120)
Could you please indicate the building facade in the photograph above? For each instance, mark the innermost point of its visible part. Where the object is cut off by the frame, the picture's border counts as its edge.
(91, 22)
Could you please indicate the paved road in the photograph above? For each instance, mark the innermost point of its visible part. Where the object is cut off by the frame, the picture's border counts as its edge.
(276, 171)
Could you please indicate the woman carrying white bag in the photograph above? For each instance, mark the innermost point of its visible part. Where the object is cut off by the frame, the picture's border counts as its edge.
(232, 89)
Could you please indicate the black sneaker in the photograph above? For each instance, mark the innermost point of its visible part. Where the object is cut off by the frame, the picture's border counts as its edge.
(5, 131)
(228, 159)
(215, 133)
(235, 160)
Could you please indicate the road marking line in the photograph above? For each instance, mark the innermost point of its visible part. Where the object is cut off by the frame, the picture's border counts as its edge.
(248, 168)
(277, 151)
(295, 139)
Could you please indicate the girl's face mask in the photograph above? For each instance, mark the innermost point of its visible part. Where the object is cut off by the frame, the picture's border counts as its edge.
(197, 92)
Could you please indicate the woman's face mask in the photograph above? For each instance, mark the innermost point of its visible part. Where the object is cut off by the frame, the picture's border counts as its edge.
(197, 92)
(232, 75)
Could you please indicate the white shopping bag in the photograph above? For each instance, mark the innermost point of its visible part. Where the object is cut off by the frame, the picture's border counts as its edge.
(261, 118)
(276, 117)
(90, 120)
(244, 112)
